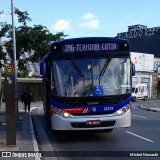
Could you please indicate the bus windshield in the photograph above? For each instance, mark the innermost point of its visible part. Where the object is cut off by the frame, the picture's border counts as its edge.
(90, 77)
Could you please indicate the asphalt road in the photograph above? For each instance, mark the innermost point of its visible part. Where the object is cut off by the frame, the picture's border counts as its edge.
(142, 137)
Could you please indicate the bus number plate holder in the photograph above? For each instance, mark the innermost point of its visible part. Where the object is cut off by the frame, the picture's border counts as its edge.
(93, 122)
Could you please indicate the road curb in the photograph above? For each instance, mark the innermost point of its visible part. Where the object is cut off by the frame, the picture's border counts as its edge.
(45, 145)
(149, 109)
(34, 141)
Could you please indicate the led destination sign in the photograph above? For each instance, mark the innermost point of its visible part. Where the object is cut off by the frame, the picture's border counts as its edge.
(90, 47)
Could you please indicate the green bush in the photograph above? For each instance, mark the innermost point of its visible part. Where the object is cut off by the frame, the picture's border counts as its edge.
(23, 74)
(2, 74)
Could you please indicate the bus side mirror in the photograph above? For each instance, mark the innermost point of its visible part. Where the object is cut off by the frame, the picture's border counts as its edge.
(41, 68)
(133, 70)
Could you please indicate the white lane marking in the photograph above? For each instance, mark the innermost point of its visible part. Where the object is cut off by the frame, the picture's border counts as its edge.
(139, 136)
(139, 116)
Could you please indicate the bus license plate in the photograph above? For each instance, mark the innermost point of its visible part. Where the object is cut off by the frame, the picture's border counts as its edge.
(93, 122)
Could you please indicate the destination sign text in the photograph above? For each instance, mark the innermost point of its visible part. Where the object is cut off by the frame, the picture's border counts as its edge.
(90, 47)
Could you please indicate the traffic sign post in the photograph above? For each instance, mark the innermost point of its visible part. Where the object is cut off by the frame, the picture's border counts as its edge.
(10, 105)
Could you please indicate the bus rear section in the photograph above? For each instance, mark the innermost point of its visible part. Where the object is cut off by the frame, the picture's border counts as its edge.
(88, 84)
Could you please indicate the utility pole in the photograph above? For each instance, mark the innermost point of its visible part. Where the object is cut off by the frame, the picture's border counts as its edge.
(0, 87)
(14, 59)
(11, 91)
(1, 12)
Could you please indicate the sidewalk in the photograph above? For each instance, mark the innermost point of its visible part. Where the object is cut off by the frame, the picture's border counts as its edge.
(151, 105)
(26, 143)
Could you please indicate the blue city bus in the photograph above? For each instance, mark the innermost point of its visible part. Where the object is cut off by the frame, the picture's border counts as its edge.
(87, 84)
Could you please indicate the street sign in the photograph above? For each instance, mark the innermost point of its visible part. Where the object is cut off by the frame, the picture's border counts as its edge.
(9, 69)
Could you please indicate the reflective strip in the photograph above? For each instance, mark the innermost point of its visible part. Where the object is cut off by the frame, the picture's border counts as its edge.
(73, 110)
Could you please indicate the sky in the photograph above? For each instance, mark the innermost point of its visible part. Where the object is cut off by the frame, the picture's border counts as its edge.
(86, 18)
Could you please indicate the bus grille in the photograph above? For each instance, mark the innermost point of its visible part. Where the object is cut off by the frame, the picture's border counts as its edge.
(100, 102)
(92, 113)
(102, 124)
(92, 101)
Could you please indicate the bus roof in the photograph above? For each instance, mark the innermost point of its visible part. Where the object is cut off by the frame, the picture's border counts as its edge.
(89, 45)
(89, 39)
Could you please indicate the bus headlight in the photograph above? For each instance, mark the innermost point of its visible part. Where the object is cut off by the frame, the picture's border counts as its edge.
(62, 113)
(122, 110)
(65, 114)
(119, 112)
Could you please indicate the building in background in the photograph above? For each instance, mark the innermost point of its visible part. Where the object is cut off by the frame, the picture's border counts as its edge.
(145, 53)
(144, 64)
(32, 67)
(143, 39)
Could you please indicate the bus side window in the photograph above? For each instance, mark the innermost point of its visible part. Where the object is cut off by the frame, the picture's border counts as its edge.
(136, 90)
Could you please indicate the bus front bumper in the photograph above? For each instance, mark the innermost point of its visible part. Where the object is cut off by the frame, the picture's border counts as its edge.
(109, 121)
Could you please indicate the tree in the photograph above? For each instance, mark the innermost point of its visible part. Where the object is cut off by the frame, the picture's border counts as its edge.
(22, 16)
(28, 39)
(4, 28)
(41, 38)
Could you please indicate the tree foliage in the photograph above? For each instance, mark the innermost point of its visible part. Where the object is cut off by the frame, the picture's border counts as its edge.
(28, 39)
(22, 16)
(4, 28)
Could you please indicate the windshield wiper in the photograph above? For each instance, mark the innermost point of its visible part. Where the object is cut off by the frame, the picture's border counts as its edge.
(105, 65)
(77, 68)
